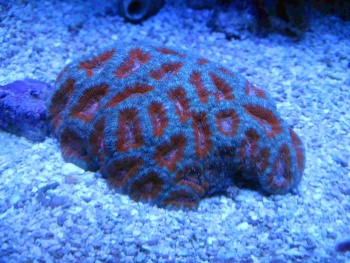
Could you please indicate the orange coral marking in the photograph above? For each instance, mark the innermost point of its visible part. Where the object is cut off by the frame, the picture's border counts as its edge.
(281, 174)
(60, 101)
(224, 90)
(202, 61)
(61, 74)
(251, 90)
(227, 72)
(169, 153)
(227, 121)
(97, 139)
(96, 64)
(74, 149)
(131, 63)
(147, 187)
(202, 134)
(266, 118)
(120, 171)
(191, 176)
(129, 92)
(249, 146)
(159, 118)
(72, 144)
(129, 132)
(182, 198)
(262, 160)
(178, 96)
(168, 51)
(298, 147)
(89, 102)
(197, 81)
(257, 159)
(166, 71)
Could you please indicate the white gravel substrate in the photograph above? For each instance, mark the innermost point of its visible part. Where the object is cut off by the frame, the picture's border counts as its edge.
(51, 211)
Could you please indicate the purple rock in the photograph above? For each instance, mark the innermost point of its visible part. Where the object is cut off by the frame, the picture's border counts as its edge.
(343, 246)
(57, 201)
(23, 108)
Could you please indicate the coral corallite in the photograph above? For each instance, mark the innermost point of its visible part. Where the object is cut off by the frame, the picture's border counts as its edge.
(169, 128)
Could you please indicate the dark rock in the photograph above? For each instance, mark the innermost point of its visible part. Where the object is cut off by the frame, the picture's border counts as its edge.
(344, 190)
(87, 199)
(57, 201)
(76, 230)
(341, 160)
(201, 4)
(338, 8)
(50, 186)
(253, 222)
(49, 235)
(234, 23)
(153, 242)
(310, 244)
(9, 251)
(61, 219)
(135, 10)
(212, 252)
(23, 108)
(4, 206)
(41, 193)
(37, 234)
(343, 246)
(238, 18)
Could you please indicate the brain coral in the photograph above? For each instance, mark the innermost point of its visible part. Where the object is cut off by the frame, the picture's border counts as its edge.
(167, 127)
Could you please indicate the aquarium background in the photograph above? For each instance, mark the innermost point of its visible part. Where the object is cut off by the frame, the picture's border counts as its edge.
(53, 211)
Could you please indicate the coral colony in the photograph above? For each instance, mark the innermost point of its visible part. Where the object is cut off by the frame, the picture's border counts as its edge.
(168, 128)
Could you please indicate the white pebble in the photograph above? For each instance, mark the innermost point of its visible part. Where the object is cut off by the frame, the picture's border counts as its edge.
(35, 157)
(134, 212)
(153, 217)
(49, 166)
(69, 168)
(14, 199)
(243, 226)
(210, 240)
(136, 233)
